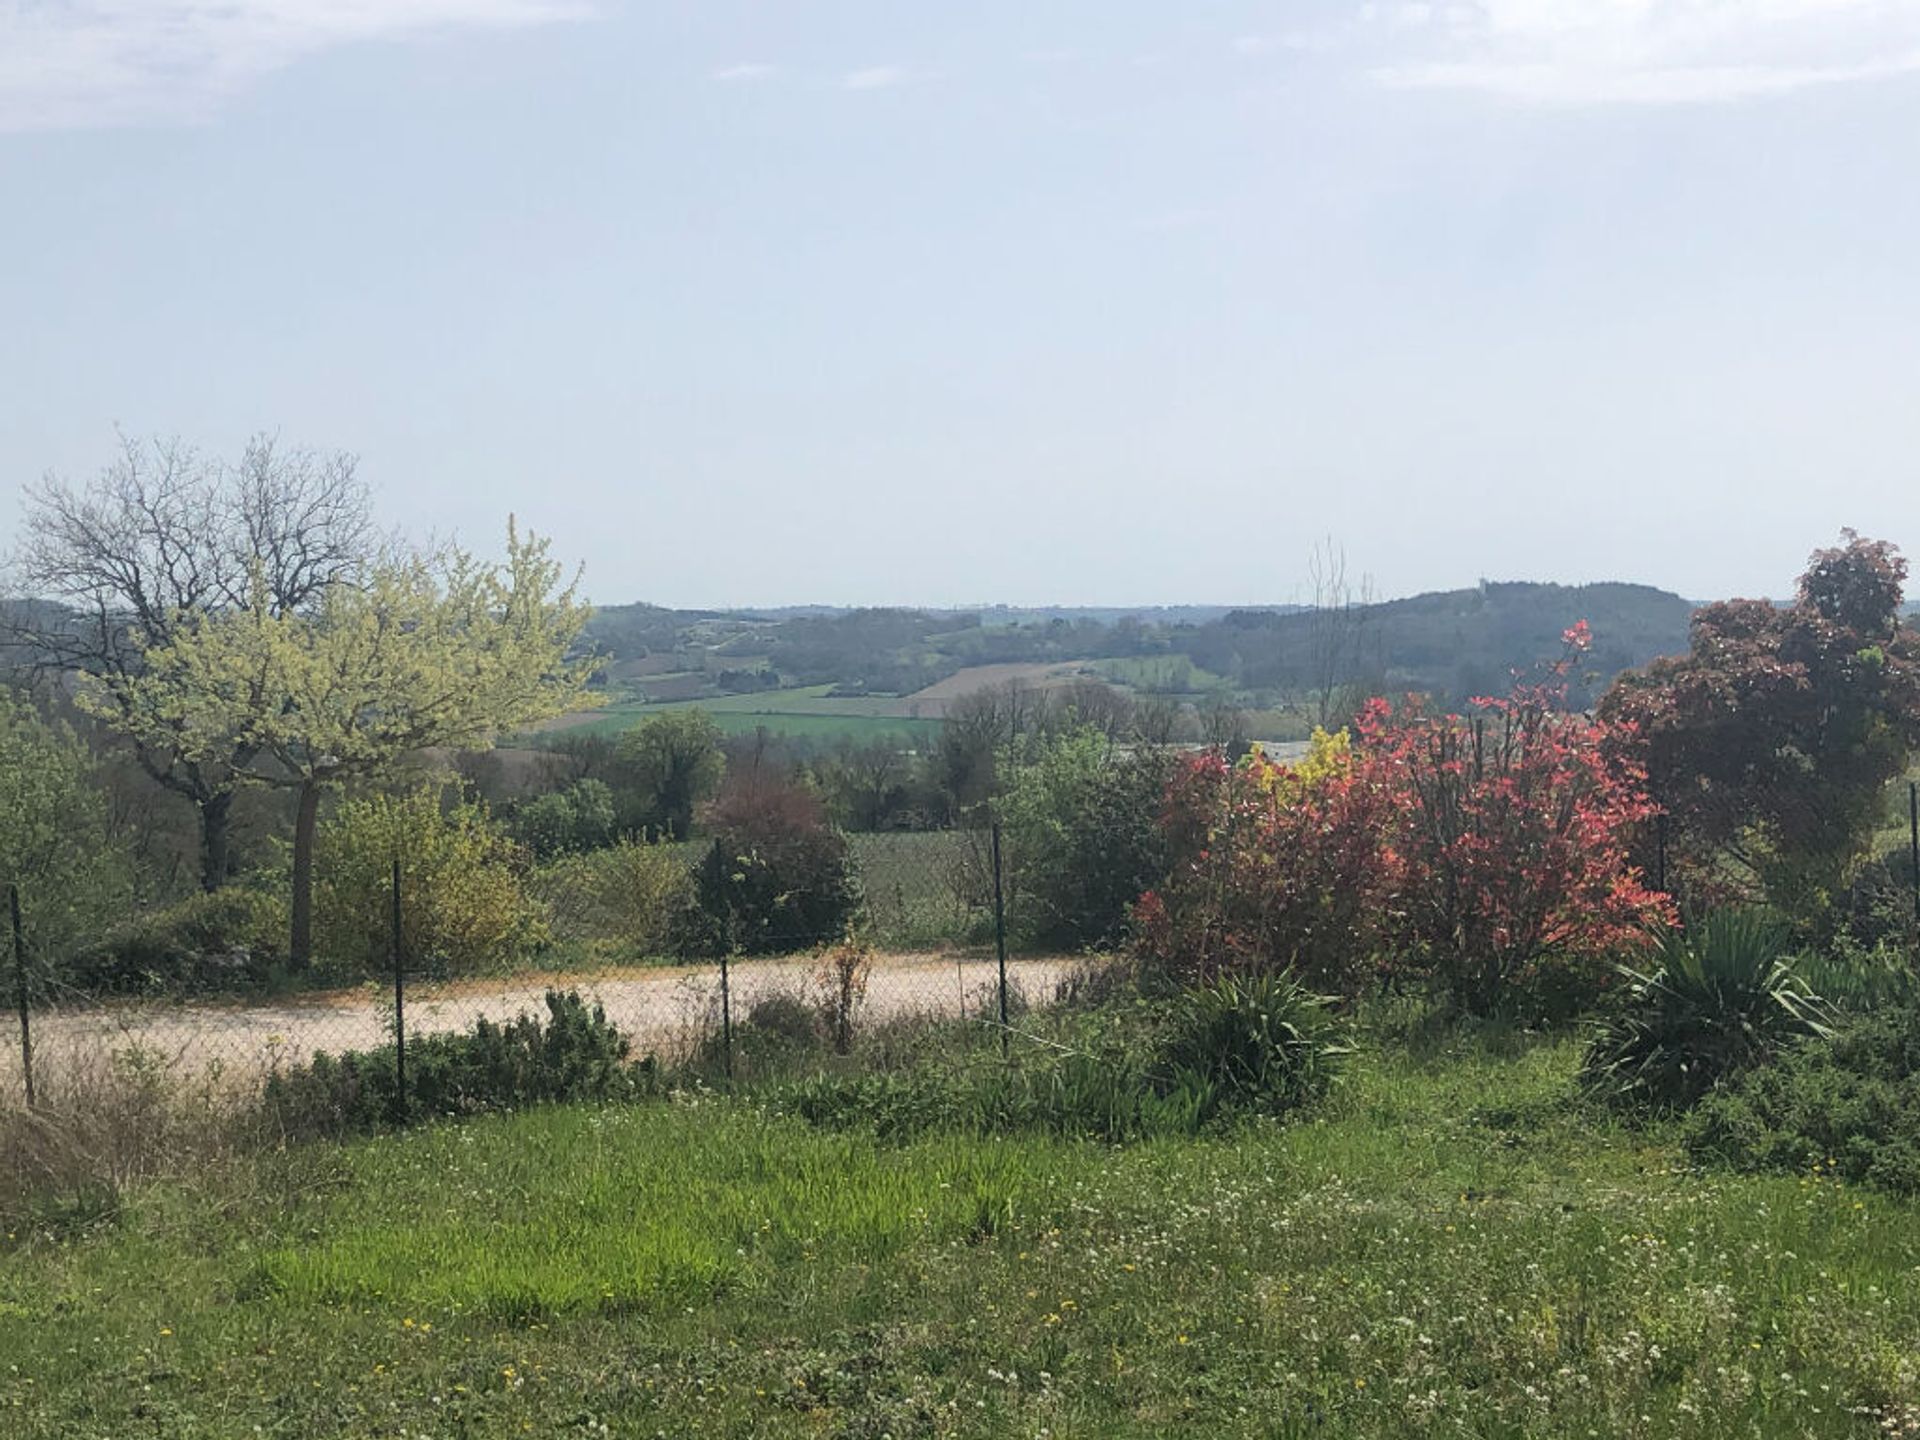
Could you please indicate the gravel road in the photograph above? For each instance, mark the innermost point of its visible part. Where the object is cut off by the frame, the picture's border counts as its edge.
(663, 1009)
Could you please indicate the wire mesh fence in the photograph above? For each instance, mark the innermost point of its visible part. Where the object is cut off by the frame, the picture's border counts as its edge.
(695, 952)
(922, 930)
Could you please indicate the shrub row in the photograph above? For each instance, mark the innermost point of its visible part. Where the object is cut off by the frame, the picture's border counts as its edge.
(577, 1054)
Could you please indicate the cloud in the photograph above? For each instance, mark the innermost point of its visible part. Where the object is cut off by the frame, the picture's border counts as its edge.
(877, 77)
(70, 64)
(1638, 52)
(747, 70)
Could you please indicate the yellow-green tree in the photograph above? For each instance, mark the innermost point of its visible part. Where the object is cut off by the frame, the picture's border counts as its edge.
(466, 903)
(407, 652)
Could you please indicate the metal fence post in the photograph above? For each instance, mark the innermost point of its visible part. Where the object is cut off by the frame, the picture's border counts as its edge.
(1000, 935)
(20, 990)
(399, 1003)
(1913, 840)
(726, 1015)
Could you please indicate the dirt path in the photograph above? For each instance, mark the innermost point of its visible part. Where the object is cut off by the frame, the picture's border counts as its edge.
(663, 1009)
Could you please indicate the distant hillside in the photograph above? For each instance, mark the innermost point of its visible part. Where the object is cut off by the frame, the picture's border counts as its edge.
(873, 650)
(1454, 643)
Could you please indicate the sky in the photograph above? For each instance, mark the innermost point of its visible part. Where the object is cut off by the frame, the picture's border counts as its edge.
(1084, 302)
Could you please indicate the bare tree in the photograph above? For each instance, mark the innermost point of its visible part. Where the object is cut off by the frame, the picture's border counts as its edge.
(1160, 720)
(1223, 726)
(869, 781)
(1340, 635)
(1092, 702)
(161, 536)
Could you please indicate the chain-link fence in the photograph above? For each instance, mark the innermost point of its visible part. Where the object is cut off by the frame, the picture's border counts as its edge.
(914, 925)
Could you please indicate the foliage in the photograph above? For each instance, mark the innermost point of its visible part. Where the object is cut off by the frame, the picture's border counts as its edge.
(776, 875)
(464, 905)
(635, 899)
(229, 939)
(1875, 909)
(1860, 979)
(1486, 855)
(1123, 1072)
(56, 842)
(159, 540)
(562, 822)
(1273, 869)
(924, 890)
(1720, 998)
(784, 1016)
(777, 1030)
(675, 763)
(1516, 889)
(875, 785)
(576, 1054)
(1078, 822)
(1845, 1105)
(1259, 1042)
(407, 652)
(1772, 740)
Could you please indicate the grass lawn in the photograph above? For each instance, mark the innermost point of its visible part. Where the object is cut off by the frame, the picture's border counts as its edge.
(1449, 1248)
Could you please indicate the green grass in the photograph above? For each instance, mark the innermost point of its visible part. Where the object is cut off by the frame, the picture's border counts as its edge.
(1449, 1248)
(809, 713)
(1160, 674)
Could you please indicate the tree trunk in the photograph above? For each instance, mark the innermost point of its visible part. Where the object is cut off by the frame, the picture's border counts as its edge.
(216, 828)
(300, 954)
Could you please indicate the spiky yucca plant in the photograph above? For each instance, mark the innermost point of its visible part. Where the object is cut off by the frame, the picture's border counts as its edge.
(1261, 1041)
(1720, 996)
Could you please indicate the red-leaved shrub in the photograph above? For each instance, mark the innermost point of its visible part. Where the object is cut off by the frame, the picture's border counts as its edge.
(1484, 854)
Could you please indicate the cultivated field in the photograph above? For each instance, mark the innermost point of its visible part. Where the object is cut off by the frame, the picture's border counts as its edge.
(808, 712)
(1035, 676)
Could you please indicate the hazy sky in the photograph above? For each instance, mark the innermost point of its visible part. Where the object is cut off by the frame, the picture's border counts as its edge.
(1095, 301)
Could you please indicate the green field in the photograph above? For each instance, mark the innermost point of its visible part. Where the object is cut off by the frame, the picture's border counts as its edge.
(805, 713)
(1450, 1247)
(1160, 673)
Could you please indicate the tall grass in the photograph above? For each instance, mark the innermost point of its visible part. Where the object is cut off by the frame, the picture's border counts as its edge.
(1453, 1246)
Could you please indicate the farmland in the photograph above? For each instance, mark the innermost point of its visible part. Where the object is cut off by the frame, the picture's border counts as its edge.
(864, 675)
(1450, 1245)
(805, 712)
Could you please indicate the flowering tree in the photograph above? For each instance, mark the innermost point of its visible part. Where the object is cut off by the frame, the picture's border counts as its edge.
(407, 652)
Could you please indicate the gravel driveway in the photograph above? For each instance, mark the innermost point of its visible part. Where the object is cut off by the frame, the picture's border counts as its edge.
(662, 1008)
